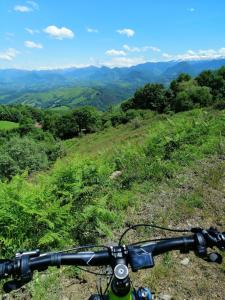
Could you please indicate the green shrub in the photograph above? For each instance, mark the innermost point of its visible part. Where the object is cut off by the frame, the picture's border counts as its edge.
(136, 123)
(219, 104)
(32, 217)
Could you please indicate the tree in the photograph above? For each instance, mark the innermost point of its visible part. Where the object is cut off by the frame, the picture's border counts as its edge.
(215, 80)
(128, 104)
(87, 118)
(175, 84)
(66, 127)
(206, 78)
(191, 97)
(151, 96)
(26, 125)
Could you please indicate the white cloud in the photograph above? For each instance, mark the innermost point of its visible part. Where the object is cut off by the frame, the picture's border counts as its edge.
(196, 55)
(22, 8)
(9, 54)
(192, 9)
(92, 30)
(114, 52)
(33, 4)
(166, 55)
(126, 31)
(32, 31)
(33, 45)
(131, 49)
(59, 33)
(124, 62)
(141, 49)
(154, 49)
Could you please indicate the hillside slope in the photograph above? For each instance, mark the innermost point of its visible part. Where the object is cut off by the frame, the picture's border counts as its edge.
(71, 97)
(193, 196)
(172, 172)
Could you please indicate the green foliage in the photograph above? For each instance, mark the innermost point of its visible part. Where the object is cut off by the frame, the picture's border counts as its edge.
(16, 113)
(135, 123)
(118, 117)
(151, 96)
(19, 154)
(173, 144)
(215, 80)
(86, 184)
(26, 125)
(30, 217)
(184, 93)
(191, 97)
(181, 79)
(81, 120)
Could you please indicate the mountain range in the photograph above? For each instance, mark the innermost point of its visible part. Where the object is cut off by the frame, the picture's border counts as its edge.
(97, 86)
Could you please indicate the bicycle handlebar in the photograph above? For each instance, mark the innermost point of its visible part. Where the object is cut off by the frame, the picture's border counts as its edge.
(137, 256)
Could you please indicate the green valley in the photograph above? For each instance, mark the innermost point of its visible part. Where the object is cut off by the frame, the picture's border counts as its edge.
(100, 97)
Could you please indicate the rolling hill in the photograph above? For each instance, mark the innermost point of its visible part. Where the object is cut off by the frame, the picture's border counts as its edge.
(96, 86)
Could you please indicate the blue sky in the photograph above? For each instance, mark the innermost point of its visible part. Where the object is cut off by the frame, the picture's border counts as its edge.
(56, 34)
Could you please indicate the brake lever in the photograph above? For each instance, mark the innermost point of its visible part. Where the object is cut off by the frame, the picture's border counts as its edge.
(14, 285)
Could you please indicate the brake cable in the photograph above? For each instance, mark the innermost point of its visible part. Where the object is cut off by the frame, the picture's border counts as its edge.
(133, 227)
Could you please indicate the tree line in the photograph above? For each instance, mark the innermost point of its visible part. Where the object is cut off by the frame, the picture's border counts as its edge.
(184, 93)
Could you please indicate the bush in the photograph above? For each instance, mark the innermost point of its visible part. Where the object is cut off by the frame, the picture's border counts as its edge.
(136, 123)
(19, 154)
(191, 97)
(132, 114)
(151, 96)
(118, 117)
(219, 104)
(31, 216)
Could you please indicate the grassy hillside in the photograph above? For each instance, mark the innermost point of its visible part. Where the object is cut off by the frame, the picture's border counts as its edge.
(100, 97)
(6, 125)
(180, 190)
(172, 172)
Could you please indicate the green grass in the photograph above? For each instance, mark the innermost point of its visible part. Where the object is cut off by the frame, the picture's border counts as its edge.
(111, 138)
(158, 161)
(6, 125)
